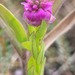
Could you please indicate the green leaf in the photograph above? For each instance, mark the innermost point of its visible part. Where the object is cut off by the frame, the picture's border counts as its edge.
(13, 23)
(31, 29)
(35, 73)
(38, 68)
(31, 63)
(41, 31)
(34, 50)
(41, 54)
(42, 68)
(31, 71)
(27, 45)
(34, 47)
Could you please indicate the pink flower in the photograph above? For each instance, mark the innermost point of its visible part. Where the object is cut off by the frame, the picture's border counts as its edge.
(37, 10)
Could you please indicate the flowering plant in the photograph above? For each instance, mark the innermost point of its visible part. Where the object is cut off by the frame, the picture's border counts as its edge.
(37, 14)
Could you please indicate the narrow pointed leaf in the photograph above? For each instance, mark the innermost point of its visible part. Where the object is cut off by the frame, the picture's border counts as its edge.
(41, 54)
(31, 71)
(34, 47)
(41, 31)
(31, 63)
(13, 23)
(27, 45)
(31, 29)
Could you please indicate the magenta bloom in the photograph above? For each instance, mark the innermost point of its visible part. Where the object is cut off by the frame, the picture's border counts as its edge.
(37, 10)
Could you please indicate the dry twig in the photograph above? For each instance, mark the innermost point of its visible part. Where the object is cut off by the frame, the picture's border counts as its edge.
(66, 24)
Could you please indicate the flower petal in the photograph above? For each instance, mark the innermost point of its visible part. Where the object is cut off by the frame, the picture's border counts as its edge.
(52, 19)
(27, 6)
(48, 16)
